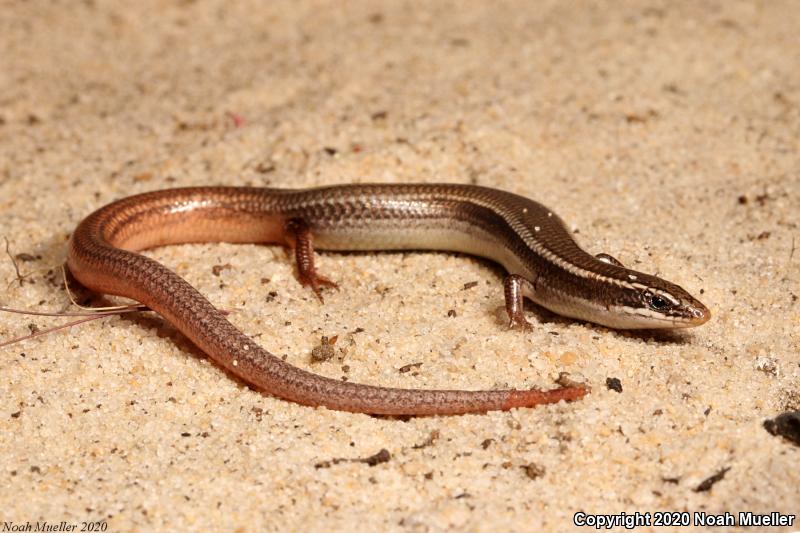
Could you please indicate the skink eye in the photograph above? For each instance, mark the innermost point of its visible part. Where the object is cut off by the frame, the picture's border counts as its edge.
(657, 303)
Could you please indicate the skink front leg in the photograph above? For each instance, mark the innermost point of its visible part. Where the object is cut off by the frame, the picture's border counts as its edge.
(299, 237)
(514, 286)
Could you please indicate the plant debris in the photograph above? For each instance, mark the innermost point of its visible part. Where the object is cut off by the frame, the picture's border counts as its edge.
(383, 456)
(711, 481)
(614, 384)
(786, 425)
(533, 471)
(429, 441)
(217, 269)
(324, 350)
(409, 367)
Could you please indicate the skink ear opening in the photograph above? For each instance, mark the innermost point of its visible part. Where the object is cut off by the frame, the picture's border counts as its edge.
(611, 260)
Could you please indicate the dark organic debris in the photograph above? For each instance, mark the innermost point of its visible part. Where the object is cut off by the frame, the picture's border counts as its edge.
(324, 350)
(217, 269)
(429, 441)
(565, 381)
(382, 456)
(27, 258)
(709, 482)
(409, 367)
(786, 425)
(533, 471)
(614, 384)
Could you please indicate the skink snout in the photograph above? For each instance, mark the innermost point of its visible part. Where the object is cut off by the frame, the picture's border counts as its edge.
(700, 314)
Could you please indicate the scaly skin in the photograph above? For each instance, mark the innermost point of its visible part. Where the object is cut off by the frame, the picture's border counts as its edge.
(532, 243)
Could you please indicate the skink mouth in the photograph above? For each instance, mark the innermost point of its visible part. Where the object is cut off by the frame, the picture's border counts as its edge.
(690, 317)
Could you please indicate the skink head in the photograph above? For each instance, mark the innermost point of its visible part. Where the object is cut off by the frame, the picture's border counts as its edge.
(650, 302)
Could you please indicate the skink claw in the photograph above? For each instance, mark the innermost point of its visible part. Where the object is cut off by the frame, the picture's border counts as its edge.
(520, 323)
(316, 282)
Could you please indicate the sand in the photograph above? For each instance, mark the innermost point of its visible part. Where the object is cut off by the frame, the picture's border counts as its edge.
(664, 133)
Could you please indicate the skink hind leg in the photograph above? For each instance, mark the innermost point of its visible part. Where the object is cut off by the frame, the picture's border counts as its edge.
(609, 259)
(300, 238)
(513, 287)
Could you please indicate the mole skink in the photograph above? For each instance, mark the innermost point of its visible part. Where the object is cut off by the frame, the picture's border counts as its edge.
(543, 262)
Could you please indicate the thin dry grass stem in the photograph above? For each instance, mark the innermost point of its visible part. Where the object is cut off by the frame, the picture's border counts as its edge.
(19, 277)
(50, 330)
(110, 309)
(91, 313)
(100, 312)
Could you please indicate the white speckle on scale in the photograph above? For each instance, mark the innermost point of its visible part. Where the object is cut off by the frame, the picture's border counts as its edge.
(235, 362)
(524, 209)
(246, 346)
(536, 228)
(549, 215)
(631, 276)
